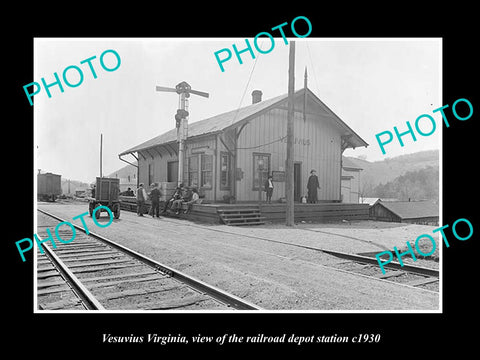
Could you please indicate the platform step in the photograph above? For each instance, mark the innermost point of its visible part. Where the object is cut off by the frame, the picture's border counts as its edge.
(229, 216)
(229, 211)
(247, 223)
(241, 216)
(262, 218)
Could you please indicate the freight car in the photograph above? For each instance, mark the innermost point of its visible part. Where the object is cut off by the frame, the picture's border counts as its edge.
(48, 186)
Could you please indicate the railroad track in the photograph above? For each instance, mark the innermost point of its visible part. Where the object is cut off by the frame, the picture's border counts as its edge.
(95, 273)
(410, 275)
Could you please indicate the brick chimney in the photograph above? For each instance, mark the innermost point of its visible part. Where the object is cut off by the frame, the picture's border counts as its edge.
(256, 96)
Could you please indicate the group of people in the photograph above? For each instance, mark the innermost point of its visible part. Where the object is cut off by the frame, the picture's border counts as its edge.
(312, 186)
(189, 196)
(181, 196)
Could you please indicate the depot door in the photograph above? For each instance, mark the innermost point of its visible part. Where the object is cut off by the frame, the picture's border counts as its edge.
(172, 171)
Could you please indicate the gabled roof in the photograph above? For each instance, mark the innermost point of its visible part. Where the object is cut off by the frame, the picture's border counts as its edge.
(232, 118)
(349, 164)
(411, 209)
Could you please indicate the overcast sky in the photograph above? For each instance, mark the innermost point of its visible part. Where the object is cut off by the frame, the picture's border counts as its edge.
(371, 84)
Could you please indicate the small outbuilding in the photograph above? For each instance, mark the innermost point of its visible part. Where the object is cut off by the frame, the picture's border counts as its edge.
(414, 212)
(350, 181)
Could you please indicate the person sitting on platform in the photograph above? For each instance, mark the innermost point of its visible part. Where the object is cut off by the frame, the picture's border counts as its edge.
(193, 200)
(175, 196)
(177, 204)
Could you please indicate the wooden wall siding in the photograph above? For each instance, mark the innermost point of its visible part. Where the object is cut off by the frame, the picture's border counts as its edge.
(317, 212)
(351, 187)
(323, 152)
(159, 164)
(378, 212)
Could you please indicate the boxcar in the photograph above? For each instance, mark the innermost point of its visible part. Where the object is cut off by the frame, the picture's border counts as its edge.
(48, 186)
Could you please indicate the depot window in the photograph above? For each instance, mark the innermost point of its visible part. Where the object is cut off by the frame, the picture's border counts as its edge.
(261, 169)
(200, 171)
(224, 171)
(192, 171)
(207, 170)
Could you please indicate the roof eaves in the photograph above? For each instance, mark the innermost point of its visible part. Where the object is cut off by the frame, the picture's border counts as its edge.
(338, 120)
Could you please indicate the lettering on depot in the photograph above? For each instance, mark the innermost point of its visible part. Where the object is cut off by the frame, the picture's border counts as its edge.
(57, 235)
(249, 48)
(430, 238)
(69, 80)
(389, 136)
(299, 141)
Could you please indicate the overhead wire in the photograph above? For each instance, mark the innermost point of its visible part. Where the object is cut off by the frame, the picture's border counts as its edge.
(246, 87)
(313, 67)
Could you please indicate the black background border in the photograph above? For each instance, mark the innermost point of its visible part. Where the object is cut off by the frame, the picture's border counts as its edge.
(400, 332)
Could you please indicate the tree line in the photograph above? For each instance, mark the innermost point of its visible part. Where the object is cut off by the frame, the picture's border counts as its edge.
(420, 184)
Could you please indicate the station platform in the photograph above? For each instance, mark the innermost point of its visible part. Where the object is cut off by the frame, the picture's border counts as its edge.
(256, 213)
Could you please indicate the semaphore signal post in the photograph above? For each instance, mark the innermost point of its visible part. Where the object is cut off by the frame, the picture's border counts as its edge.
(184, 90)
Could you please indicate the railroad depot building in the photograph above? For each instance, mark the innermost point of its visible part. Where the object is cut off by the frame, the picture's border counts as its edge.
(228, 156)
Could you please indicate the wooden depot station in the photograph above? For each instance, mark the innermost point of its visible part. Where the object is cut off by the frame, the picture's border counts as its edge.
(229, 156)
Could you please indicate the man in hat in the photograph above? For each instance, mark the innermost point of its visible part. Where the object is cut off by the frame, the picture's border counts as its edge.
(312, 187)
(175, 196)
(155, 198)
(141, 197)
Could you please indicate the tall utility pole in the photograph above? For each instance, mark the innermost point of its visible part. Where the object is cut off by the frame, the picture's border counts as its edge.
(101, 144)
(183, 90)
(290, 214)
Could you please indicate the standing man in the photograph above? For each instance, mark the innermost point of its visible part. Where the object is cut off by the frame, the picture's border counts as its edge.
(155, 197)
(312, 187)
(269, 188)
(141, 197)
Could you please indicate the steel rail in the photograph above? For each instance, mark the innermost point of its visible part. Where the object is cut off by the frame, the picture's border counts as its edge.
(348, 256)
(88, 300)
(218, 294)
(392, 265)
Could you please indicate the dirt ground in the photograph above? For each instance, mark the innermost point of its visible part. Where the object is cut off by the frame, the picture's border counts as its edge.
(272, 275)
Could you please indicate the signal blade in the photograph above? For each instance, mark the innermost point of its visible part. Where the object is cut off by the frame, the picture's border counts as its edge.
(167, 89)
(201, 93)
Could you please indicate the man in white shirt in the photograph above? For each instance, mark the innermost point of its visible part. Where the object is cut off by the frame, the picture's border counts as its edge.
(141, 197)
(269, 188)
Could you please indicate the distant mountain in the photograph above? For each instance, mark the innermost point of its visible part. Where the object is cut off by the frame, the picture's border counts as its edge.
(420, 184)
(382, 172)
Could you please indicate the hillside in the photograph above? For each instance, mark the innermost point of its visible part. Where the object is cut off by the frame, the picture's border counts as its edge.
(74, 185)
(382, 172)
(415, 185)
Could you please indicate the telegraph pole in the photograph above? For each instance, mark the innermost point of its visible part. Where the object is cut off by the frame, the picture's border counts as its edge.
(290, 214)
(101, 144)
